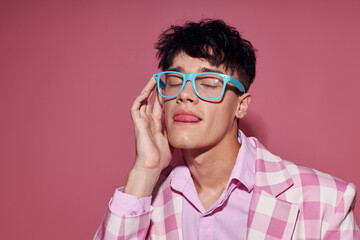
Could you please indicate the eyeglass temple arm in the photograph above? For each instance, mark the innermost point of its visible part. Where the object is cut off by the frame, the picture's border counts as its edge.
(162, 84)
(237, 84)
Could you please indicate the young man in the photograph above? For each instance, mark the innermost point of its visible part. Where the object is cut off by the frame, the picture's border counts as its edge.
(226, 186)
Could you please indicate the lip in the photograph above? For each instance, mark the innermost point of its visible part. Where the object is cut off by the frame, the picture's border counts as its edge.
(186, 116)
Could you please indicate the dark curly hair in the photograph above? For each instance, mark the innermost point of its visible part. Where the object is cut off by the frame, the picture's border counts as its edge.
(212, 40)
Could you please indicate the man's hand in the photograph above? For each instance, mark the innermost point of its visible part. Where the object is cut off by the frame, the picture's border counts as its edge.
(153, 152)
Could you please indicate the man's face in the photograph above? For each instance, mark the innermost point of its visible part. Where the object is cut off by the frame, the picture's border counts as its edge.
(193, 123)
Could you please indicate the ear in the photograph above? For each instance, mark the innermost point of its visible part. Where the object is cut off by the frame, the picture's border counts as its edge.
(243, 105)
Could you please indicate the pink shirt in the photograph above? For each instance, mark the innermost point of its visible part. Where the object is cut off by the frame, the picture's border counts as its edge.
(225, 219)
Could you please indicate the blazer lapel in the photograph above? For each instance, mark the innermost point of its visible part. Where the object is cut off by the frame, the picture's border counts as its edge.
(270, 217)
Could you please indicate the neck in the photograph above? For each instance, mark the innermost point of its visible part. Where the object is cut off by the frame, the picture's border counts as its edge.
(211, 167)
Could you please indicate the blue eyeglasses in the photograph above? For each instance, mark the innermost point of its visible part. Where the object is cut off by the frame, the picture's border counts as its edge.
(209, 86)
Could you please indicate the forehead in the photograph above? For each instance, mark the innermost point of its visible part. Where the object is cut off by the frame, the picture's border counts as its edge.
(186, 64)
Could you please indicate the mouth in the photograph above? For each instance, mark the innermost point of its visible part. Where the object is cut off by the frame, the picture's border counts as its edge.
(186, 117)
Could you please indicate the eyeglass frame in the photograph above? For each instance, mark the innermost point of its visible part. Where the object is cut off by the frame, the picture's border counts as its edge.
(192, 77)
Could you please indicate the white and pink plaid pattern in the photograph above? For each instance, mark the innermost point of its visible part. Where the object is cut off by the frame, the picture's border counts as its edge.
(289, 202)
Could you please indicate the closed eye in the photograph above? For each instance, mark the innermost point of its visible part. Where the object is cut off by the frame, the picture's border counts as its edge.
(208, 86)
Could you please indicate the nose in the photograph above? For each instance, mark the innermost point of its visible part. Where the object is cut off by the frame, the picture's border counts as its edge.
(187, 94)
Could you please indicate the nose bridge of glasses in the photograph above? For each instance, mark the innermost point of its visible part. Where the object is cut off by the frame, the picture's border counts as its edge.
(191, 79)
(188, 77)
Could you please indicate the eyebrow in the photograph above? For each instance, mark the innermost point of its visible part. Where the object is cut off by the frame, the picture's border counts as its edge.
(201, 70)
(204, 69)
(176, 69)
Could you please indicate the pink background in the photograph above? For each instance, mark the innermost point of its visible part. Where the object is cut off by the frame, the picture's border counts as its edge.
(69, 71)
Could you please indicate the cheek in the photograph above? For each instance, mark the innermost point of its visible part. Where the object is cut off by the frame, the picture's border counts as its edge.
(225, 112)
(230, 104)
(220, 121)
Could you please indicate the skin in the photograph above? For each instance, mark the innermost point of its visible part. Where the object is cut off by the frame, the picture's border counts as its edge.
(209, 144)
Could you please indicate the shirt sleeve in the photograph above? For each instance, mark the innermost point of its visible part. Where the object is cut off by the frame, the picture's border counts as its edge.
(126, 217)
(126, 204)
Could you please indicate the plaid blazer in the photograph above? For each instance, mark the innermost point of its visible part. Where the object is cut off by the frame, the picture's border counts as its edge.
(289, 201)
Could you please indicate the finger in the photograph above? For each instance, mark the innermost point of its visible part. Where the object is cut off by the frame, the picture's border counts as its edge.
(138, 102)
(150, 85)
(146, 104)
(139, 99)
(157, 108)
(149, 104)
(157, 116)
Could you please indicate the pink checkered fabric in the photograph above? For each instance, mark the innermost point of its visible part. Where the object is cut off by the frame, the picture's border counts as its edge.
(290, 201)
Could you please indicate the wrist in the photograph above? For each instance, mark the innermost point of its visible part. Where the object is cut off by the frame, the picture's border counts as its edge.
(141, 182)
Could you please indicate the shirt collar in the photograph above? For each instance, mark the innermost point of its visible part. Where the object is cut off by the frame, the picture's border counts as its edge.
(243, 171)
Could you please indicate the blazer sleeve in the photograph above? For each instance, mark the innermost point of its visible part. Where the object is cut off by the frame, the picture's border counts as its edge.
(342, 224)
(126, 217)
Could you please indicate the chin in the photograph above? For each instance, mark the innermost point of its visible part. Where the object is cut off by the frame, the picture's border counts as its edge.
(187, 140)
(182, 140)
